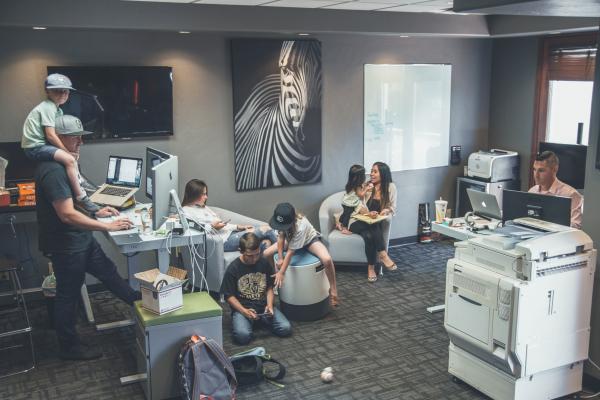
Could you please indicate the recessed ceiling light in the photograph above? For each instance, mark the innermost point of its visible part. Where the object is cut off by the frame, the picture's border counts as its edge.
(304, 34)
(184, 32)
(404, 36)
(39, 28)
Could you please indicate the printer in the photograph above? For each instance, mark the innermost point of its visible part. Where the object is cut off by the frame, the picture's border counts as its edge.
(494, 165)
(518, 307)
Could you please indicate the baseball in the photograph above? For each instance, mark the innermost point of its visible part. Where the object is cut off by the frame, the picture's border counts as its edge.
(327, 375)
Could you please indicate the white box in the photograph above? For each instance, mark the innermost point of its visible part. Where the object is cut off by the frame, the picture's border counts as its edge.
(166, 298)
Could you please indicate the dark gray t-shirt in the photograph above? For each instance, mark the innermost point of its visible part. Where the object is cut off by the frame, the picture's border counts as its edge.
(248, 283)
(51, 184)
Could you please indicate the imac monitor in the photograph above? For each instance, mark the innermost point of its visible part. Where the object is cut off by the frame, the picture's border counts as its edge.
(165, 178)
(555, 209)
(153, 158)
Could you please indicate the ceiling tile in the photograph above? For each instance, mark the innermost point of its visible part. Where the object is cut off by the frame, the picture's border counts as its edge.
(392, 2)
(358, 5)
(233, 2)
(302, 3)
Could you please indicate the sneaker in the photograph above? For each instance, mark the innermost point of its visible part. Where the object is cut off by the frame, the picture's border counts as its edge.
(86, 184)
(87, 205)
(80, 352)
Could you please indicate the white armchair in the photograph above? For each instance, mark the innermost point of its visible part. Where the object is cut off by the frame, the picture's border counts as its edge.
(218, 259)
(344, 249)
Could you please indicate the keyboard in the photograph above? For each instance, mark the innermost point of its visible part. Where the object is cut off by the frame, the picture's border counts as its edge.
(115, 191)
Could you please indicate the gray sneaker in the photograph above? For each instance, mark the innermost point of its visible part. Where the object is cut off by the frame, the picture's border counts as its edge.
(87, 205)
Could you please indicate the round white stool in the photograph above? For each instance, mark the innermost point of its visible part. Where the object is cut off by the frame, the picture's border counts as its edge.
(304, 295)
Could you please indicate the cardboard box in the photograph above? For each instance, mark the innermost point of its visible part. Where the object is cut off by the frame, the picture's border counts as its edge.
(162, 293)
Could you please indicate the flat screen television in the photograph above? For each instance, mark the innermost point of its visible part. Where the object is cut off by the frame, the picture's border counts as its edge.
(121, 102)
(571, 162)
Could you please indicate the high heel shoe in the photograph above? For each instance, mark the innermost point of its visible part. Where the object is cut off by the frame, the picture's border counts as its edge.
(392, 267)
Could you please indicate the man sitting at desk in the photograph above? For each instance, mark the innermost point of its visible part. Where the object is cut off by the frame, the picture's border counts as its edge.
(65, 236)
(545, 169)
(248, 288)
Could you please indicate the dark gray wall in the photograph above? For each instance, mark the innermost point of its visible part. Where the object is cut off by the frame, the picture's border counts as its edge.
(511, 125)
(203, 106)
(514, 69)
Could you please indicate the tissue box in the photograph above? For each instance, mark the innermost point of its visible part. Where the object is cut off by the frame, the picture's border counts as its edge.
(162, 293)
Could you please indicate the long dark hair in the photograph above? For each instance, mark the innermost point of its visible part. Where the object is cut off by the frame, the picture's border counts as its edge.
(356, 177)
(193, 190)
(385, 176)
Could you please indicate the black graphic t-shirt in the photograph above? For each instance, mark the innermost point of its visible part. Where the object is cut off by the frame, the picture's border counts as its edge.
(248, 283)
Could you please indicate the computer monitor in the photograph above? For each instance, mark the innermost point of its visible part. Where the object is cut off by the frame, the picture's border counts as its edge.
(555, 209)
(571, 162)
(164, 179)
(153, 158)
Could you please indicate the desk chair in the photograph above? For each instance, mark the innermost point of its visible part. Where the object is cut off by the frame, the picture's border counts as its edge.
(344, 249)
(11, 267)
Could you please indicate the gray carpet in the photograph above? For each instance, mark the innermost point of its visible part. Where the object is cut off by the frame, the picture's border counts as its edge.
(381, 344)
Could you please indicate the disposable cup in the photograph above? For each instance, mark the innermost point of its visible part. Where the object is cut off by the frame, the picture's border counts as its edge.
(440, 210)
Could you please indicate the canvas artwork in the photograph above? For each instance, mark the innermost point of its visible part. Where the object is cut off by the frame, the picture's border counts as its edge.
(277, 109)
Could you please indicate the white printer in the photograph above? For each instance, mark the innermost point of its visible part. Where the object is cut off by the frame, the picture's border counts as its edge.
(494, 165)
(518, 310)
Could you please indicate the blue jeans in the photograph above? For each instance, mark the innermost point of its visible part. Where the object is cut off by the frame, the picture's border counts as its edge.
(242, 326)
(44, 152)
(70, 270)
(233, 241)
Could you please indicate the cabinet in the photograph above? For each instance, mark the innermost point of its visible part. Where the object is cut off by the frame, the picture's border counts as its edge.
(158, 340)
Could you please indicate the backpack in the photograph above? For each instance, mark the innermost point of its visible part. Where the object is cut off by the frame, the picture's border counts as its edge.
(204, 371)
(252, 366)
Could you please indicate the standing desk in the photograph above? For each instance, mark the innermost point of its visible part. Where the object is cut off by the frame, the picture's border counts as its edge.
(150, 242)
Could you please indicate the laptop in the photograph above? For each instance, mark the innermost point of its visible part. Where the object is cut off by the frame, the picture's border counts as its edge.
(484, 204)
(123, 179)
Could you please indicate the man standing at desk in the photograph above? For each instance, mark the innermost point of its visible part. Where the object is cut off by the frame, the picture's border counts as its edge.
(65, 236)
(545, 169)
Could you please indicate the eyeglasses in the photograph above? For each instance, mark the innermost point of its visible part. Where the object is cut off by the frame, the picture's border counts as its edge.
(60, 91)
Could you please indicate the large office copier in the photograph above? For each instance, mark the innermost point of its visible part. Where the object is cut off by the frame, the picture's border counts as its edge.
(518, 310)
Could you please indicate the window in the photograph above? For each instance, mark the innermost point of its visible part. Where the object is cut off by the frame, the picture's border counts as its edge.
(564, 90)
(569, 109)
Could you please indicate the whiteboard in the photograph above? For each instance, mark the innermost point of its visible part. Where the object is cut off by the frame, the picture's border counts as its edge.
(407, 115)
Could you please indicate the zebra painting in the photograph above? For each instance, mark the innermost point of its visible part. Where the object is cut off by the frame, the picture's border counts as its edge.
(277, 108)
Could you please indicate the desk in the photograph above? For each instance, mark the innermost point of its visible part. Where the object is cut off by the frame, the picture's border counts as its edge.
(458, 232)
(149, 242)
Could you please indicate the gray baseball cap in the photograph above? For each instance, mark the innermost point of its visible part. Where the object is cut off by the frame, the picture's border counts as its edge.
(70, 126)
(58, 81)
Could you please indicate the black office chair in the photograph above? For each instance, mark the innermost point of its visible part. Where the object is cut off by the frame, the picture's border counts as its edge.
(11, 267)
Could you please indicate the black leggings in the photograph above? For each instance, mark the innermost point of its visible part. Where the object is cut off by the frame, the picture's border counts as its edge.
(372, 234)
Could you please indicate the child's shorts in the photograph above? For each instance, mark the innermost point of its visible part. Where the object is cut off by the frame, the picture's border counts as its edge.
(41, 153)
